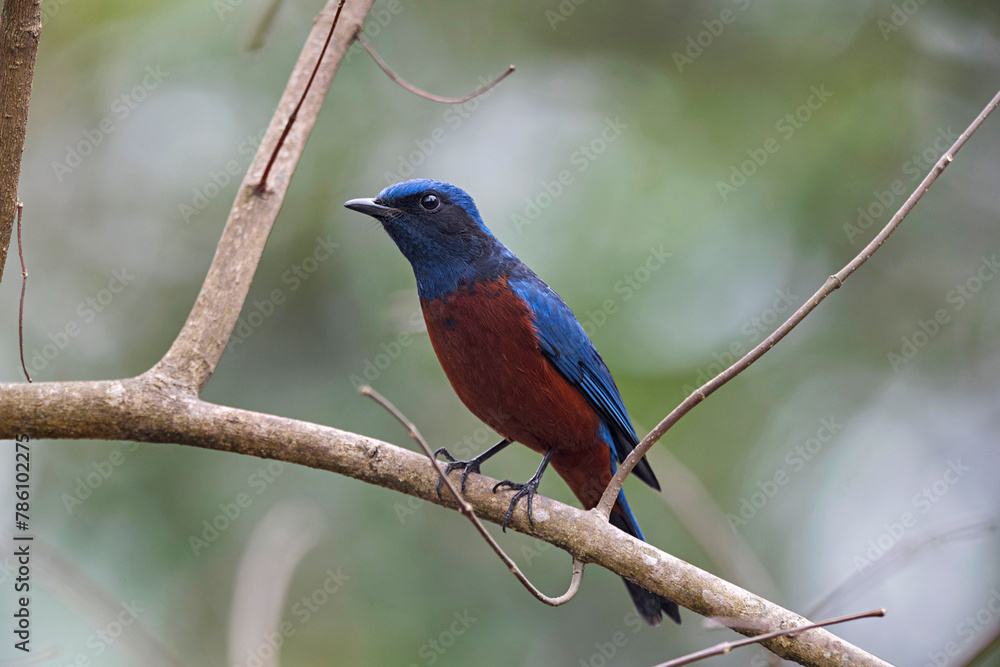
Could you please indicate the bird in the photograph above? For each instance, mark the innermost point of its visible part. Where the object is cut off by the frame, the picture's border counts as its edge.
(515, 354)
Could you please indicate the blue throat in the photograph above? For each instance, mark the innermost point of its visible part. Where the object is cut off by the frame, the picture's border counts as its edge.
(439, 276)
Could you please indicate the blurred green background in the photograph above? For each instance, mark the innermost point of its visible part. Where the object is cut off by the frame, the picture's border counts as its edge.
(832, 458)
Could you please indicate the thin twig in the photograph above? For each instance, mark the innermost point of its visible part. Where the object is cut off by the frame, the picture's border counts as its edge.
(423, 93)
(726, 647)
(24, 286)
(832, 283)
(465, 508)
(262, 186)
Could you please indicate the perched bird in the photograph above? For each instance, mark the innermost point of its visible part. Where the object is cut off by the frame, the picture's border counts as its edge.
(514, 353)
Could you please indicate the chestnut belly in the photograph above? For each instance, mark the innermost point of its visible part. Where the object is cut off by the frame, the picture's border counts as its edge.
(487, 346)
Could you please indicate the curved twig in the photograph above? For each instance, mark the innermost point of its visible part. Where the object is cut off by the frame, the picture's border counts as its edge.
(726, 647)
(465, 508)
(24, 287)
(832, 283)
(423, 93)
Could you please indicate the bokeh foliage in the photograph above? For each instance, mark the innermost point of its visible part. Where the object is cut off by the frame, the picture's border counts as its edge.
(149, 199)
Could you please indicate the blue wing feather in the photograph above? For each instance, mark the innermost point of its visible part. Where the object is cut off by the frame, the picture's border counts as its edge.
(566, 345)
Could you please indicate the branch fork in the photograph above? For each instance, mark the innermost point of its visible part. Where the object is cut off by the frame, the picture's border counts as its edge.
(163, 404)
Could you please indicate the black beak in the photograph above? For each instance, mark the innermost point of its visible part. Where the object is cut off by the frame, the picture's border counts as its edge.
(369, 207)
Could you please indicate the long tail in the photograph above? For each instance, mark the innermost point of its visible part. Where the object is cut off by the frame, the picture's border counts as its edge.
(651, 606)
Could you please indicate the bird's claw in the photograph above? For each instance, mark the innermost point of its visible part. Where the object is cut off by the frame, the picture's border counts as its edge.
(469, 466)
(529, 489)
(441, 451)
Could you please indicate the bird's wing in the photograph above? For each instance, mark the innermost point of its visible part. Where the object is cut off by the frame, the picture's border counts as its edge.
(565, 344)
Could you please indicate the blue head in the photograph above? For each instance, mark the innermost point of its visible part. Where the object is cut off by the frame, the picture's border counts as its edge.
(437, 227)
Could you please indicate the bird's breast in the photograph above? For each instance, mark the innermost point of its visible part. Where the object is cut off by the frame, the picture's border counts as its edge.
(485, 338)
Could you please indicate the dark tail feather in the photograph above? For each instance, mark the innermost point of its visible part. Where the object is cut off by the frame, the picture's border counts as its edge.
(651, 606)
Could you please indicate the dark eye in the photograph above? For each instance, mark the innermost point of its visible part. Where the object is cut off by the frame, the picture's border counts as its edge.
(430, 202)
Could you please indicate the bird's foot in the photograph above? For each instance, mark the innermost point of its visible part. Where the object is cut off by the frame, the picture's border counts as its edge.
(469, 466)
(528, 489)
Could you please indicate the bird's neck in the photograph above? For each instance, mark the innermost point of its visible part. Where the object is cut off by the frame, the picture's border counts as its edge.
(440, 276)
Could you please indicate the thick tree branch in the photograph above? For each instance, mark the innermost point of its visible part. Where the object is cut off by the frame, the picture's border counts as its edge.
(193, 357)
(149, 410)
(20, 29)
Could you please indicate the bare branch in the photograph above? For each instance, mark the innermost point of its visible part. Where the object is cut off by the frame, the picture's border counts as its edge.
(832, 283)
(20, 30)
(465, 508)
(423, 93)
(151, 409)
(195, 353)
